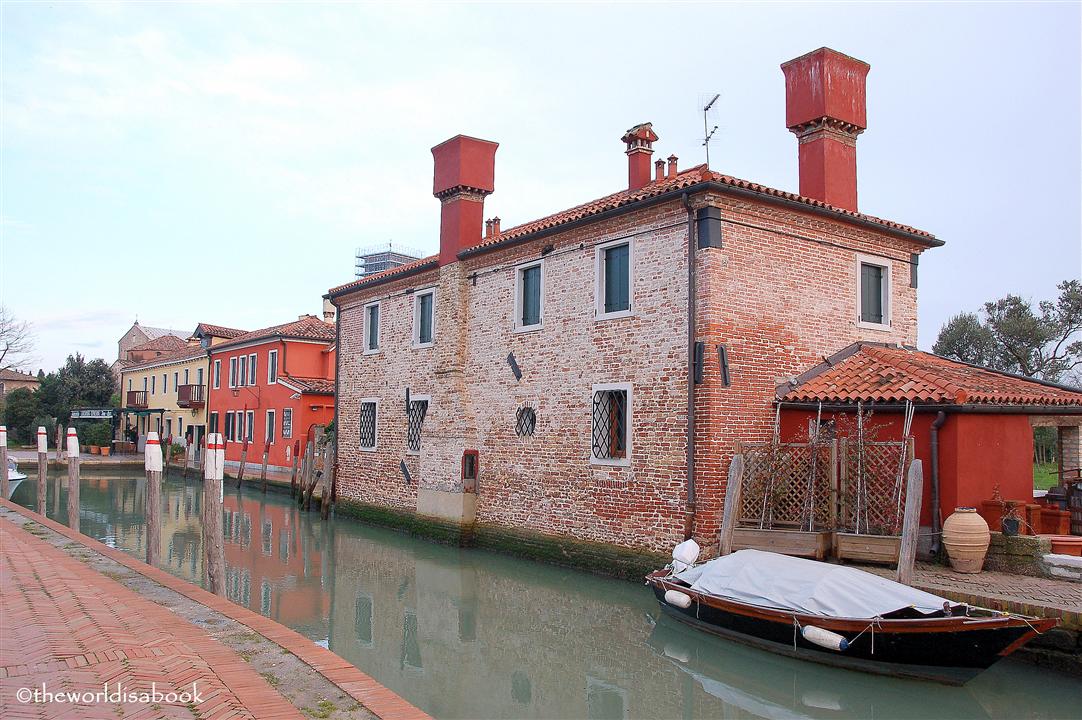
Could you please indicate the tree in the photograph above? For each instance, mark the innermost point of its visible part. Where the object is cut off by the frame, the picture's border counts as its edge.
(79, 383)
(16, 340)
(21, 408)
(1045, 344)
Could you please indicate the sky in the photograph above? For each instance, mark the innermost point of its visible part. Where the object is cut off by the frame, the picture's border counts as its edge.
(182, 163)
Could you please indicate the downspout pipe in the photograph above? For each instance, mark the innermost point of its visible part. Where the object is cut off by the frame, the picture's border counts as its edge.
(689, 512)
(937, 535)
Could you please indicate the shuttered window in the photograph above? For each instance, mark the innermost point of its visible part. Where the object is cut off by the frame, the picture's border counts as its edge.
(871, 293)
(371, 328)
(423, 318)
(529, 299)
(616, 278)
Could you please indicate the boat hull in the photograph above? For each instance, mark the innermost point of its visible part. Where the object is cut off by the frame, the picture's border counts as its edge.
(953, 652)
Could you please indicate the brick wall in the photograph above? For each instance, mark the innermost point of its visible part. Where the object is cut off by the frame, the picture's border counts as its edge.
(778, 302)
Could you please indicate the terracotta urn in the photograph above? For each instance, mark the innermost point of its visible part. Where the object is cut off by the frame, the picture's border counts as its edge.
(966, 538)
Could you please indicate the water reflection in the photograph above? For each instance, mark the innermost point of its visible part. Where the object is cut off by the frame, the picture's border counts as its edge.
(469, 634)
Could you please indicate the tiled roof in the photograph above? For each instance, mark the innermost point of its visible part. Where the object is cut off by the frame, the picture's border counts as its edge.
(162, 343)
(876, 373)
(310, 386)
(683, 180)
(15, 375)
(154, 332)
(185, 353)
(218, 331)
(308, 327)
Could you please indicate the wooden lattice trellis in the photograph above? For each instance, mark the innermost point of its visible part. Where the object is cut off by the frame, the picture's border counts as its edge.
(872, 487)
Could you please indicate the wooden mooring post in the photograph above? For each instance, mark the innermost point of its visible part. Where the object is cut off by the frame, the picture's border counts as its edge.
(59, 442)
(73, 479)
(153, 464)
(309, 474)
(4, 461)
(213, 530)
(43, 469)
(263, 468)
(293, 474)
(907, 553)
(243, 462)
(325, 498)
(731, 512)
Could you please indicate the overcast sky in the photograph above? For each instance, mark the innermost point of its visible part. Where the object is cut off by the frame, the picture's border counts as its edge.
(208, 162)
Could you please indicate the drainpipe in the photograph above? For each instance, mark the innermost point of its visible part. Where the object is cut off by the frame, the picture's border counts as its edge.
(940, 418)
(689, 513)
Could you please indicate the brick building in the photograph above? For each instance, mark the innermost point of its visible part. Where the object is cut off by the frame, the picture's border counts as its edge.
(540, 377)
(272, 385)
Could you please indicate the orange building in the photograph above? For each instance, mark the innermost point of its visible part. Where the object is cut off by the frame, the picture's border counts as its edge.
(274, 386)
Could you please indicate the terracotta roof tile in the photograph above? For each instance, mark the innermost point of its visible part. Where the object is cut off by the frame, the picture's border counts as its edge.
(312, 386)
(308, 327)
(218, 331)
(379, 277)
(184, 353)
(15, 375)
(876, 373)
(168, 343)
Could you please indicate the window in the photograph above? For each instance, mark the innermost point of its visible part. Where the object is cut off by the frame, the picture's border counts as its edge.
(217, 374)
(611, 420)
(129, 384)
(873, 292)
(242, 371)
(249, 425)
(169, 427)
(198, 376)
(272, 367)
(214, 422)
(287, 422)
(232, 372)
(614, 280)
(153, 384)
(144, 383)
(371, 328)
(529, 289)
(424, 317)
(271, 426)
(414, 423)
(239, 420)
(187, 377)
(525, 421)
(251, 369)
(230, 436)
(368, 423)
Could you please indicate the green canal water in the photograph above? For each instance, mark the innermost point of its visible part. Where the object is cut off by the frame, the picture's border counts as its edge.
(471, 634)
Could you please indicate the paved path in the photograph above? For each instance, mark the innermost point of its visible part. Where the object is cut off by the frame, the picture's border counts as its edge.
(73, 629)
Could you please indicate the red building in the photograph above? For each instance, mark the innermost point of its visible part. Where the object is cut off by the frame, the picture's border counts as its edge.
(272, 385)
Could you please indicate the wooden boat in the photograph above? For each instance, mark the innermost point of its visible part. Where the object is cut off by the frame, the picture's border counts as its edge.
(15, 477)
(945, 642)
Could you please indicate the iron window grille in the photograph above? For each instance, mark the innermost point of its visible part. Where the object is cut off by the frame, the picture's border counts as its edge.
(418, 410)
(525, 421)
(610, 424)
(368, 425)
(287, 423)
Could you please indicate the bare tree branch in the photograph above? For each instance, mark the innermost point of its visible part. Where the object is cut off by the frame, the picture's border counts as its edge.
(16, 340)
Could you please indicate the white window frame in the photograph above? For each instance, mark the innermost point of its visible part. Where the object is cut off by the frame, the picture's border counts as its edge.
(376, 436)
(234, 363)
(284, 434)
(628, 420)
(416, 398)
(229, 430)
(516, 321)
(214, 422)
(249, 422)
(417, 344)
(238, 431)
(252, 364)
(269, 426)
(888, 286)
(272, 364)
(242, 370)
(379, 326)
(599, 280)
(217, 374)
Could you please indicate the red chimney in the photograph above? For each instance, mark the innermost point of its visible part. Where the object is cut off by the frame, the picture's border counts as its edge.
(825, 109)
(659, 167)
(465, 168)
(640, 146)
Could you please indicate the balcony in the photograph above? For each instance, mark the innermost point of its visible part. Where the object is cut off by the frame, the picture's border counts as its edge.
(137, 399)
(191, 396)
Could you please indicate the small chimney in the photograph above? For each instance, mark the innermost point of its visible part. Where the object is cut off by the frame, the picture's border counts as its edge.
(328, 311)
(464, 174)
(825, 109)
(672, 166)
(495, 226)
(488, 228)
(640, 146)
(659, 170)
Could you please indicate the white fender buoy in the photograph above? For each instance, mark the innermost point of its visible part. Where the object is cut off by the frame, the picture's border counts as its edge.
(824, 638)
(677, 598)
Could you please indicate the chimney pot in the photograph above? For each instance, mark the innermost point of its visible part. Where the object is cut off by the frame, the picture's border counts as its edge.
(825, 108)
(659, 167)
(640, 146)
(672, 166)
(464, 174)
(488, 228)
(495, 226)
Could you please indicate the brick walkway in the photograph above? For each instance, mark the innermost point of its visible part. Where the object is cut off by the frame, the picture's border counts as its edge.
(73, 629)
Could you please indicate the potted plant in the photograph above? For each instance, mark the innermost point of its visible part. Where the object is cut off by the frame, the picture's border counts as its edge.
(1012, 518)
(992, 510)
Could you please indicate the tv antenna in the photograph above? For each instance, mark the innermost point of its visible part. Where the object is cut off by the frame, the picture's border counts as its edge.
(708, 132)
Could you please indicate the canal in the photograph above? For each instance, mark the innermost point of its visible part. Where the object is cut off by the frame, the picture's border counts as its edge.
(471, 634)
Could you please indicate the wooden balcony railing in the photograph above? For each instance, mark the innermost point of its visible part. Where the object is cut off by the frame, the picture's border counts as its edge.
(191, 396)
(137, 398)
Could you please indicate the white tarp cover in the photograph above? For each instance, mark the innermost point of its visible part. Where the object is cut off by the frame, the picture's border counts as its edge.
(806, 586)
